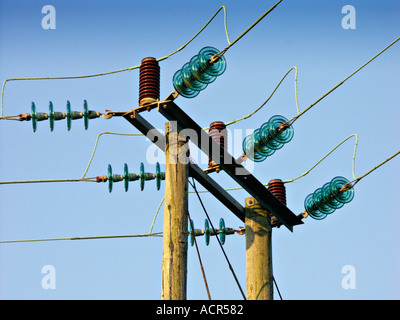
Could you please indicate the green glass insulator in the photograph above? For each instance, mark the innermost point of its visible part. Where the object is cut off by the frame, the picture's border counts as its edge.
(37, 116)
(216, 68)
(312, 209)
(320, 203)
(342, 196)
(199, 73)
(192, 235)
(181, 88)
(72, 115)
(51, 116)
(158, 176)
(222, 232)
(249, 150)
(283, 136)
(207, 232)
(142, 176)
(33, 111)
(85, 114)
(113, 178)
(189, 80)
(259, 145)
(126, 177)
(54, 116)
(69, 115)
(110, 178)
(328, 197)
(268, 139)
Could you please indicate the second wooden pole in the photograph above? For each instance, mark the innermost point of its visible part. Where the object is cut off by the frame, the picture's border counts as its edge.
(259, 276)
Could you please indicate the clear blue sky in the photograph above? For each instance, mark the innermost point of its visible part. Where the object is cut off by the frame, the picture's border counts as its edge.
(100, 36)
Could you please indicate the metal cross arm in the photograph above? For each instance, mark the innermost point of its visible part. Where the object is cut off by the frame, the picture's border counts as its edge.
(231, 166)
(194, 170)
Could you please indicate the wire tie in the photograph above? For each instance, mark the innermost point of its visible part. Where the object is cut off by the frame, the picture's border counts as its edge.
(24, 117)
(345, 187)
(101, 178)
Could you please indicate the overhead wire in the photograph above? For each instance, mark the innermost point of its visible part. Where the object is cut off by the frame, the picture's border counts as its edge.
(228, 123)
(83, 177)
(290, 122)
(299, 114)
(198, 255)
(155, 216)
(96, 143)
(249, 28)
(93, 179)
(222, 248)
(181, 48)
(277, 288)
(157, 234)
(230, 44)
(324, 157)
(109, 72)
(270, 96)
(356, 180)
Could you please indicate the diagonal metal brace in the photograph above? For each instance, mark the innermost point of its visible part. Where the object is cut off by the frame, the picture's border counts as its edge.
(194, 170)
(234, 169)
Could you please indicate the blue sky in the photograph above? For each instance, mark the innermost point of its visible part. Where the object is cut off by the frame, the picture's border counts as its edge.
(101, 36)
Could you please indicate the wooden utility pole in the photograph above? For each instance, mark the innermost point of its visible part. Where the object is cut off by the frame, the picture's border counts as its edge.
(259, 276)
(175, 234)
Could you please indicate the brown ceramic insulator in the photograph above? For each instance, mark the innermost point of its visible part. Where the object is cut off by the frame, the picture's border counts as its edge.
(218, 133)
(149, 81)
(277, 188)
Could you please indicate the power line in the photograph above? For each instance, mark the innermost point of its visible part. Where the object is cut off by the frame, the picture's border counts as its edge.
(296, 90)
(277, 288)
(290, 122)
(226, 257)
(93, 179)
(198, 254)
(269, 98)
(82, 179)
(137, 66)
(157, 234)
(96, 143)
(193, 185)
(324, 157)
(249, 28)
(355, 181)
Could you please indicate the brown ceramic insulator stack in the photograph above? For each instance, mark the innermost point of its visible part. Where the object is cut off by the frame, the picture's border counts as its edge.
(219, 134)
(149, 81)
(277, 188)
